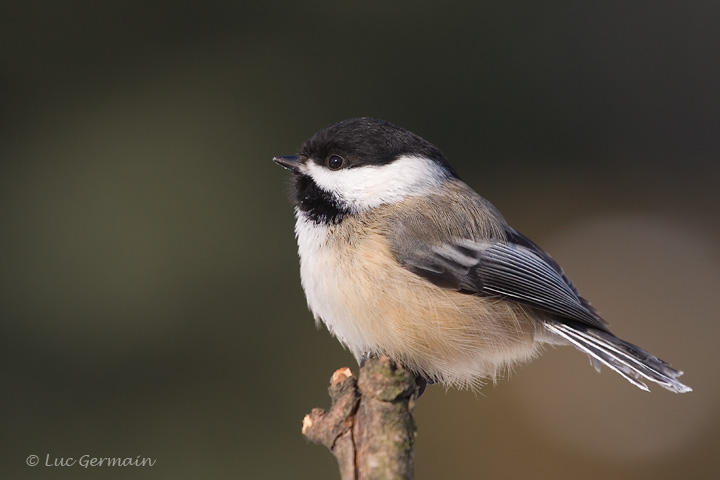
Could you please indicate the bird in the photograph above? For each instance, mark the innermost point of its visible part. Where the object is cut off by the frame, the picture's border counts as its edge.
(399, 257)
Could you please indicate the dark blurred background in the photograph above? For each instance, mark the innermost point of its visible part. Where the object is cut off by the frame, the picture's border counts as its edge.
(150, 301)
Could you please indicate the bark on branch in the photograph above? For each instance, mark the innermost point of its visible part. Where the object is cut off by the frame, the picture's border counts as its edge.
(370, 427)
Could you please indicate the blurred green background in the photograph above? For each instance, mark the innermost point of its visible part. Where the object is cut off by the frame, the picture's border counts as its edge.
(150, 301)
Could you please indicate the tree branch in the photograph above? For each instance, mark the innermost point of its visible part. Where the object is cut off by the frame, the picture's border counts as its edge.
(369, 427)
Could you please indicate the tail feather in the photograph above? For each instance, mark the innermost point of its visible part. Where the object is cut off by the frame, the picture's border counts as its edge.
(630, 361)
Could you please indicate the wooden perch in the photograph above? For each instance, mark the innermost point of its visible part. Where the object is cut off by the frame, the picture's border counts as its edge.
(370, 427)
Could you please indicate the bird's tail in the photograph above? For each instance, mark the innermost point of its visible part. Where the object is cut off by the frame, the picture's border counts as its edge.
(630, 361)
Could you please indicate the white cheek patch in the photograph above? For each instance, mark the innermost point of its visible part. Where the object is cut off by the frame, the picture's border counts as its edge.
(370, 186)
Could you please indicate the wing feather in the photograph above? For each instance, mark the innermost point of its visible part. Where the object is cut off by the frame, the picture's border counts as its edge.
(503, 269)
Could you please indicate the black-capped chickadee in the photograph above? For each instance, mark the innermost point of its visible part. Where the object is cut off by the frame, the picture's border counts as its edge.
(399, 257)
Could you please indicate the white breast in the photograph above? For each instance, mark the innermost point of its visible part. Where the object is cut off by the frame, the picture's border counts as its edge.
(324, 280)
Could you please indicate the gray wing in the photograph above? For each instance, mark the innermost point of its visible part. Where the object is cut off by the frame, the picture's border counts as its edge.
(515, 269)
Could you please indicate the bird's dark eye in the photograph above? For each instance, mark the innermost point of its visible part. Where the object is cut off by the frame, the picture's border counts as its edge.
(335, 162)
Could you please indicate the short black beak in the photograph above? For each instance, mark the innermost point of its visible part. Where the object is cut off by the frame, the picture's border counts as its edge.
(291, 162)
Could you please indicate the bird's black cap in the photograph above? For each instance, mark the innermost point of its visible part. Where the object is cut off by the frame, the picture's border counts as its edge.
(369, 141)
